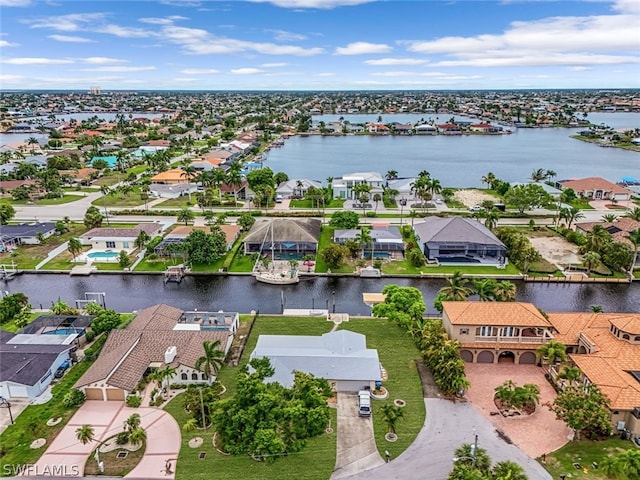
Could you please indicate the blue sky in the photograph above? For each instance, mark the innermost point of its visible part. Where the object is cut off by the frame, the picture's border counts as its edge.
(318, 44)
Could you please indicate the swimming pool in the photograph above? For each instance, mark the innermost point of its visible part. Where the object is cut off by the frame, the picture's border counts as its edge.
(65, 331)
(102, 254)
(457, 260)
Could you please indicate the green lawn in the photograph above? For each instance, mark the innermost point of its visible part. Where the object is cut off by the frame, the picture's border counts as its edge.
(108, 179)
(118, 200)
(11, 326)
(399, 267)
(584, 452)
(138, 169)
(177, 202)
(242, 262)
(510, 269)
(326, 238)
(581, 204)
(320, 452)
(309, 204)
(32, 424)
(47, 201)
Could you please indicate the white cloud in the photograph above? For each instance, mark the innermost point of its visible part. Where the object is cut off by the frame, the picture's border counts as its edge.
(66, 23)
(284, 36)
(246, 71)
(326, 74)
(200, 42)
(362, 48)
(199, 71)
(537, 59)
(162, 21)
(11, 78)
(102, 60)
(15, 3)
(70, 39)
(4, 43)
(124, 32)
(36, 61)
(396, 61)
(579, 68)
(319, 4)
(118, 69)
(273, 65)
(186, 80)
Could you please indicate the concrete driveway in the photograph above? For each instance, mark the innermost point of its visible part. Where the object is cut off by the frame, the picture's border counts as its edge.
(17, 407)
(357, 451)
(107, 418)
(447, 426)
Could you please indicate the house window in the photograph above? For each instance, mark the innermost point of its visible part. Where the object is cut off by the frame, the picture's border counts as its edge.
(125, 244)
(111, 244)
(464, 331)
(184, 376)
(194, 376)
(508, 332)
(203, 376)
(485, 331)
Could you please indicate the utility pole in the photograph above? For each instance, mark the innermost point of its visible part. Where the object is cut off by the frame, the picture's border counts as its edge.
(475, 450)
(204, 420)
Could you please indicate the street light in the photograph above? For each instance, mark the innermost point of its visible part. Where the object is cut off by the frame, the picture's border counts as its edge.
(333, 295)
(4, 403)
(403, 203)
(474, 452)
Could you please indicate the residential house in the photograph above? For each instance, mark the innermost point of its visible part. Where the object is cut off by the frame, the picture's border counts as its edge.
(174, 190)
(386, 240)
(484, 128)
(402, 128)
(12, 236)
(207, 164)
(496, 332)
(596, 188)
(284, 237)
(291, 189)
(426, 129)
(159, 336)
(180, 233)
(341, 357)
(343, 186)
(118, 238)
(378, 128)
(458, 240)
(450, 129)
(6, 186)
(606, 349)
(8, 168)
(171, 176)
(81, 176)
(619, 229)
(404, 187)
(29, 362)
(39, 161)
(552, 191)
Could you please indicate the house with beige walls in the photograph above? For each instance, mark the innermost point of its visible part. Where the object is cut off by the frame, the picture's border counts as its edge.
(118, 238)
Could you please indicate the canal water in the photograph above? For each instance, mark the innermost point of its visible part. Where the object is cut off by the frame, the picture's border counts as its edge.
(242, 293)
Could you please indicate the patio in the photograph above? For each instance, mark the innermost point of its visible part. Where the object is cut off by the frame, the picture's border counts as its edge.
(535, 434)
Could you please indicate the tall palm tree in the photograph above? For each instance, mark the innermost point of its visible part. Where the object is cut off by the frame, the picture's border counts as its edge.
(485, 288)
(634, 238)
(105, 191)
(538, 175)
(391, 175)
(185, 215)
(505, 291)
(489, 178)
(508, 470)
(365, 239)
(212, 360)
(234, 179)
(166, 374)
(550, 174)
(635, 214)
(552, 352)
(570, 374)
(390, 415)
(591, 260)
(137, 436)
(84, 434)
(491, 218)
(132, 422)
(376, 198)
(572, 214)
(456, 288)
(75, 247)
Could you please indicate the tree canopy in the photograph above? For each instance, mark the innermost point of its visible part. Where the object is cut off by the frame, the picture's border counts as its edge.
(202, 247)
(345, 219)
(584, 409)
(402, 305)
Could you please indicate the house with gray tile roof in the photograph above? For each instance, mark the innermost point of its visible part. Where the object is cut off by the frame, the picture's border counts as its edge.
(285, 236)
(106, 238)
(384, 238)
(458, 240)
(341, 357)
(158, 336)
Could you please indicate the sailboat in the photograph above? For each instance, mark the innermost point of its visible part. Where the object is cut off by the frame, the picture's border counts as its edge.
(281, 273)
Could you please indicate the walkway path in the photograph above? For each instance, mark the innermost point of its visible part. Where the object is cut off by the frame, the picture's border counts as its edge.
(357, 451)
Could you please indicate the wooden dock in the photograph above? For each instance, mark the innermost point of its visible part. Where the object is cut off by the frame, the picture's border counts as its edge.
(8, 271)
(175, 273)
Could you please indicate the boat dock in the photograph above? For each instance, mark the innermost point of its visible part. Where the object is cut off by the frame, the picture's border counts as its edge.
(8, 271)
(175, 273)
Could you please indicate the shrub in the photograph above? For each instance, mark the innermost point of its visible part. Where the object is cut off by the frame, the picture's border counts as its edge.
(89, 336)
(133, 401)
(73, 398)
(377, 263)
(122, 438)
(152, 256)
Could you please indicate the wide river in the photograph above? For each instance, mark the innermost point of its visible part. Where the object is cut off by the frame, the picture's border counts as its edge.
(243, 294)
(457, 161)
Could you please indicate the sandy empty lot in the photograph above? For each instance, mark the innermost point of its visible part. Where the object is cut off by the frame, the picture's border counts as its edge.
(557, 250)
(471, 197)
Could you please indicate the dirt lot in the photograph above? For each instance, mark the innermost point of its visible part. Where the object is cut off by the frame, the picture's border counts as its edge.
(471, 197)
(557, 250)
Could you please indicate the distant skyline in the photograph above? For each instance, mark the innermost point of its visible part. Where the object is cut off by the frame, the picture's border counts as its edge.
(319, 45)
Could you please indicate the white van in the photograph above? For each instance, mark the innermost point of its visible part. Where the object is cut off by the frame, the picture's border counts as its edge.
(364, 403)
(278, 198)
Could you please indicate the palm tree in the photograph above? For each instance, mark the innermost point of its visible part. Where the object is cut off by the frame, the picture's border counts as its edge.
(489, 178)
(32, 141)
(84, 434)
(591, 260)
(473, 456)
(570, 374)
(185, 215)
(365, 239)
(635, 214)
(391, 175)
(234, 179)
(75, 247)
(538, 175)
(413, 214)
(456, 289)
(105, 191)
(166, 374)
(391, 414)
(572, 214)
(141, 240)
(491, 219)
(508, 470)
(609, 217)
(132, 422)
(137, 436)
(376, 198)
(634, 238)
(552, 352)
(549, 174)
(597, 239)
(361, 191)
(212, 360)
(485, 288)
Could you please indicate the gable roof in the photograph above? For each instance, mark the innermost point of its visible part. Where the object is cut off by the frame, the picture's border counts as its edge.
(285, 229)
(494, 313)
(128, 353)
(150, 228)
(455, 229)
(593, 183)
(339, 355)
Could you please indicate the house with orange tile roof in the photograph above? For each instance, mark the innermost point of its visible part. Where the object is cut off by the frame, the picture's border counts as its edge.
(159, 336)
(496, 332)
(174, 175)
(619, 229)
(596, 188)
(606, 349)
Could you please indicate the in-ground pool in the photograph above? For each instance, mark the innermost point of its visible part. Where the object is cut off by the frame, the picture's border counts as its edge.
(65, 331)
(457, 260)
(102, 254)
(377, 255)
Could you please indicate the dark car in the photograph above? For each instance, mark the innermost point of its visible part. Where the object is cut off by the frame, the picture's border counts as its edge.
(61, 369)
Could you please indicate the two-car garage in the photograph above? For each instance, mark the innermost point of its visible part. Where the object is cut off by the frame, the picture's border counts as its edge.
(109, 394)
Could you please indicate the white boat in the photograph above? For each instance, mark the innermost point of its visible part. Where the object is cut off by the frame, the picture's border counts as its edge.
(284, 277)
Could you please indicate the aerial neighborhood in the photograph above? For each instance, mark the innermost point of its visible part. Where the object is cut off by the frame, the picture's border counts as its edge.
(181, 292)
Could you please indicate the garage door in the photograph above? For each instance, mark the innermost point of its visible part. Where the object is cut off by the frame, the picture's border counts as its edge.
(466, 355)
(17, 391)
(93, 393)
(114, 394)
(527, 358)
(485, 357)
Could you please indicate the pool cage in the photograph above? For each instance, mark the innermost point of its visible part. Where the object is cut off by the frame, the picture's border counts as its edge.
(58, 325)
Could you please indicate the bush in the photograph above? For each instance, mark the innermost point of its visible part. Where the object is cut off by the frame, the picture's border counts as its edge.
(122, 438)
(377, 263)
(152, 256)
(371, 214)
(73, 398)
(133, 401)
(89, 336)
(93, 351)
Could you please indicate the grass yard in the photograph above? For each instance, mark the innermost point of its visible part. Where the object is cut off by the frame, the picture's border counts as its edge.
(114, 466)
(242, 262)
(584, 452)
(179, 202)
(108, 179)
(398, 356)
(11, 326)
(309, 204)
(32, 423)
(26, 257)
(400, 267)
(317, 459)
(116, 199)
(47, 201)
(326, 238)
(510, 269)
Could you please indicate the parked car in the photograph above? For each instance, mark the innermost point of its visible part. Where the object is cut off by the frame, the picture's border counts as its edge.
(364, 403)
(278, 198)
(476, 208)
(61, 369)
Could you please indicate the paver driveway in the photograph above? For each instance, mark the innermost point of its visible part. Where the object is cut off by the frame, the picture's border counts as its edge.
(535, 434)
(107, 419)
(356, 445)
